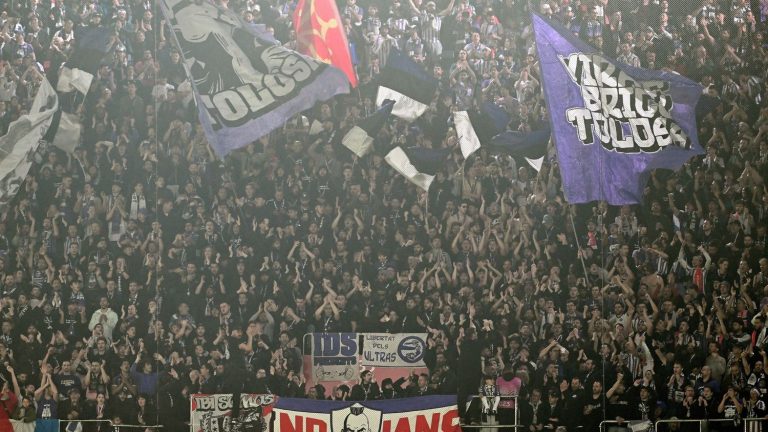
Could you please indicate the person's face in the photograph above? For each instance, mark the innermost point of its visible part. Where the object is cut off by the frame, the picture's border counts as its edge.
(575, 384)
(535, 396)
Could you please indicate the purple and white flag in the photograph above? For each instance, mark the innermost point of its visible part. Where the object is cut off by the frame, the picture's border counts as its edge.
(612, 123)
(245, 85)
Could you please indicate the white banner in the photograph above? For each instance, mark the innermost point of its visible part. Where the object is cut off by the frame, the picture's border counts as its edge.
(334, 357)
(18, 146)
(339, 357)
(393, 350)
(429, 413)
(213, 412)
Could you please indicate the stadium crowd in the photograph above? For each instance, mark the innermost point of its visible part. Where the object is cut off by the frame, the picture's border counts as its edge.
(141, 269)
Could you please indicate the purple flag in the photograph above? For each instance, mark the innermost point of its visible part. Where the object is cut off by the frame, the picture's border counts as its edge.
(612, 124)
(245, 85)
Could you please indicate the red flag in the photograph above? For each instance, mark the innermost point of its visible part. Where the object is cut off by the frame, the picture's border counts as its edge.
(320, 34)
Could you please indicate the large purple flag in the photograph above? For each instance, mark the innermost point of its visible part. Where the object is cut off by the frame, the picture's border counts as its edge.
(245, 85)
(612, 123)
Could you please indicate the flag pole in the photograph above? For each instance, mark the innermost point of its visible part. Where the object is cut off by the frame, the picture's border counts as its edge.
(578, 246)
(426, 210)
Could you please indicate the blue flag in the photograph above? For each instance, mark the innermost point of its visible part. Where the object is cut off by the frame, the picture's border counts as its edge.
(477, 127)
(91, 46)
(245, 85)
(531, 146)
(417, 164)
(612, 123)
(408, 84)
(360, 139)
(499, 119)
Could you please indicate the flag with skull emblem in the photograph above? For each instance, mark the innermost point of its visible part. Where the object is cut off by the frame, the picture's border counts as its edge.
(245, 84)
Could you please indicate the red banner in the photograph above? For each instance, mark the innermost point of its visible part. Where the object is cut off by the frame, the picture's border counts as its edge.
(320, 34)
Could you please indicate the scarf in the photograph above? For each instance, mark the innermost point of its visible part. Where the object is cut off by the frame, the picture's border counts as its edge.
(138, 203)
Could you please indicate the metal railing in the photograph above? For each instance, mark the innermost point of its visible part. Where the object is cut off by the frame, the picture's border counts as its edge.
(108, 425)
(129, 427)
(488, 425)
(678, 421)
(702, 422)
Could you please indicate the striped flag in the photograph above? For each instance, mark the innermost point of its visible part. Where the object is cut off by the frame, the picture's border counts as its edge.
(475, 127)
(360, 138)
(91, 46)
(417, 164)
(408, 84)
(531, 146)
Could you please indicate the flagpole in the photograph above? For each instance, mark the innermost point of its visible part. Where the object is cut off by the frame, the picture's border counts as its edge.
(578, 246)
(426, 210)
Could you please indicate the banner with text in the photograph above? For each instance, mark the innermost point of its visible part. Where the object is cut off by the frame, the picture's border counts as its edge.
(245, 83)
(334, 356)
(393, 350)
(339, 356)
(429, 413)
(213, 412)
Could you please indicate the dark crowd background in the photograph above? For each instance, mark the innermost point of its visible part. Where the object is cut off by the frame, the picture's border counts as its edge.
(141, 269)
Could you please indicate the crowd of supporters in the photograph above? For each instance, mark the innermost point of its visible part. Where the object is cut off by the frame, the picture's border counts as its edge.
(141, 269)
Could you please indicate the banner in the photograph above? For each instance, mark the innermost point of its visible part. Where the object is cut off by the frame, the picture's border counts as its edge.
(394, 350)
(213, 412)
(341, 356)
(245, 85)
(334, 357)
(428, 413)
(18, 146)
(612, 123)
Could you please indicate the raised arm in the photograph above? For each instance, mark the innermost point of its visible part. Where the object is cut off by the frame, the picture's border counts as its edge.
(45, 381)
(447, 10)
